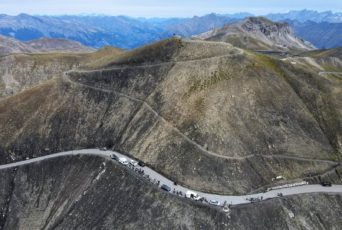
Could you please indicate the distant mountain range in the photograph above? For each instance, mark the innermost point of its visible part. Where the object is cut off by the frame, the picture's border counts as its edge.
(307, 15)
(321, 29)
(321, 34)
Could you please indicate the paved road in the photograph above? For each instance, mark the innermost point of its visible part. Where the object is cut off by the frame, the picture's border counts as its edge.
(234, 200)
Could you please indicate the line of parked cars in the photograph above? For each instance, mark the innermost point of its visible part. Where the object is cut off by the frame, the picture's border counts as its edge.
(125, 161)
(189, 194)
(192, 195)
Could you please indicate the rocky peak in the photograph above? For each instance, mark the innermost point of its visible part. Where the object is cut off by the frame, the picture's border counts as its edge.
(258, 33)
(267, 27)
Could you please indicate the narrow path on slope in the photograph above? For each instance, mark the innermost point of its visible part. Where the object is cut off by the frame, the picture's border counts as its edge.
(162, 119)
(329, 72)
(200, 147)
(240, 52)
(155, 176)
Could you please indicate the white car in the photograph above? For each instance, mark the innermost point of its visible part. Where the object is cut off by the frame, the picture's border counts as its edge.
(192, 195)
(133, 162)
(214, 202)
(123, 161)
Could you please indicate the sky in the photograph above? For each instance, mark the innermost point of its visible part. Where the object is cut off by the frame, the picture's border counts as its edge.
(162, 8)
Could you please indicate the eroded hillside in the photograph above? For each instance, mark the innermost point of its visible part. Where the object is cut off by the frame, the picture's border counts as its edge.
(210, 116)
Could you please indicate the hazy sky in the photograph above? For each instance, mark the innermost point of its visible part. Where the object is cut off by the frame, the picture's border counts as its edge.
(162, 8)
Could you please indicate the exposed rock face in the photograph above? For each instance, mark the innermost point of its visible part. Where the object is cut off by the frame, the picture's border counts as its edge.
(258, 33)
(218, 120)
(92, 193)
(269, 29)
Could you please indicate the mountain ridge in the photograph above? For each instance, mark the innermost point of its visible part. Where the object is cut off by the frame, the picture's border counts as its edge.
(9, 45)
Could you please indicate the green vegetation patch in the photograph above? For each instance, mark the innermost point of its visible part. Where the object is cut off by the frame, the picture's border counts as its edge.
(245, 42)
(263, 61)
(336, 52)
(214, 78)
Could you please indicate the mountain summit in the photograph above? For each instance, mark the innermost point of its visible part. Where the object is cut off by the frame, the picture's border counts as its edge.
(258, 33)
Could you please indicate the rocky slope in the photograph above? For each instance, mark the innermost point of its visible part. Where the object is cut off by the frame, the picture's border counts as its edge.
(9, 45)
(258, 33)
(206, 114)
(92, 193)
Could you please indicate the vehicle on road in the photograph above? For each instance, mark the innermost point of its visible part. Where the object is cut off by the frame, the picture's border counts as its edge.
(326, 183)
(165, 187)
(278, 178)
(114, 157)
(192, 195)
(123, 160)
(253, 199)
(141, 164)
(133, 163)
(103, 149)
(280, 194)
(214, 202)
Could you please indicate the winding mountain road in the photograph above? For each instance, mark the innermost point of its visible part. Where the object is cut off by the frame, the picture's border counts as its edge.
(233, 200)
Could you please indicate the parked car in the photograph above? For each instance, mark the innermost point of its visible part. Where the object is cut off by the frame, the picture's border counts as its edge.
(114, 157)
(141, 164)
(165, 187)
(192, 195)
(133, 162)
(214, 202)
(278, 178)
(123, 161)
(326, 183)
